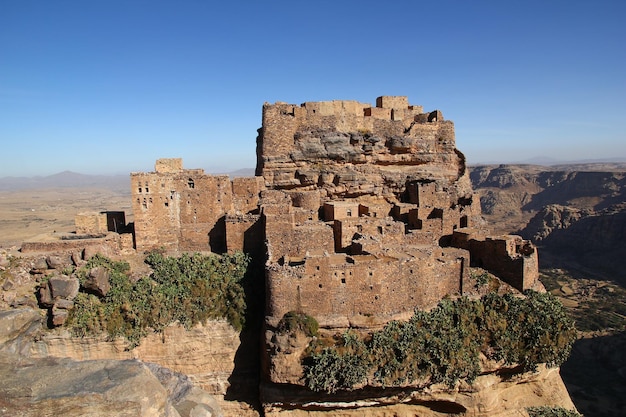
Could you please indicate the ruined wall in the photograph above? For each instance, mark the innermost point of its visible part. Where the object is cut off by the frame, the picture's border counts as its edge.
(339, 289)
(185, 209)
(109, 245)
(103, 222)
(511, 258)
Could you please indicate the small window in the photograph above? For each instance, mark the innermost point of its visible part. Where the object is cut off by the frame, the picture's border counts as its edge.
(139, 189)
(343, 280)
(349, 213)
(147, 190)
(190, 183)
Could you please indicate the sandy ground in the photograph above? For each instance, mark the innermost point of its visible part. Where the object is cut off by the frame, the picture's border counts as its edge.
(26, 214)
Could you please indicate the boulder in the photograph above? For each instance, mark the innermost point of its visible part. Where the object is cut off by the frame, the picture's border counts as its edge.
(8, 284)
(63, 287)
(40, 264)
(58, 316)
(77, 258)
(44, 296)
(97, 281)
(91, 251)
(57, 261)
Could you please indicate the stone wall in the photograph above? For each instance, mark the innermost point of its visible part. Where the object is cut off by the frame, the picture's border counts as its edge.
(511, 258)
(103, 222)
(185, 209)
(340, 289)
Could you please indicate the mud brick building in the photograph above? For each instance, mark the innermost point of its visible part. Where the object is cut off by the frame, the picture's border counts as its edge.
(357, 211)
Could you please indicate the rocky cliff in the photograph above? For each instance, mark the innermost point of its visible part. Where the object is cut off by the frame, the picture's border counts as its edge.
(31, 385)
(574, 213)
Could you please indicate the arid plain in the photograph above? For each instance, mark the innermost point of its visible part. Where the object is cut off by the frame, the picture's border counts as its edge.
(30, 210)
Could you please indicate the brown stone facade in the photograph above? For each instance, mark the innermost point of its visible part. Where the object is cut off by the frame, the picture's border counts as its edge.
(360, 214)
(185, 209)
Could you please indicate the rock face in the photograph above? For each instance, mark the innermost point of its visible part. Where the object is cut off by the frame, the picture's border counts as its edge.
(64, 387)
(490, 395)
(576, 213)
(49, 385)
(206, 354)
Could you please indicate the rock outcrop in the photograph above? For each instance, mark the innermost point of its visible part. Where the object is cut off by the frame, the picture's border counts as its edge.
(35, 385)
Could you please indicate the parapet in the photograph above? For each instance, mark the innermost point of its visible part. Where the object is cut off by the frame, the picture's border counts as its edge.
(168, 165)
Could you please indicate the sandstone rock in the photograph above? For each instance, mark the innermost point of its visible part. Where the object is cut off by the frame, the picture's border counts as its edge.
(58, 316)
(59, 311)
(188, 399)
(8, 284)
(40, 264)
(55, 386)
(68, 388)
(44, 296)
(4, 261)
(16, 323)
(91, 251)
(57, 261)
(77, 258)
(63, 287)
(24, 301)
(204, 353)
(63, 304)
(97, 281)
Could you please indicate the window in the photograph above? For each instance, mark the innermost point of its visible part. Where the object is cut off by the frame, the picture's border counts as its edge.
(139, 189)
(349, 213)
(190, 183)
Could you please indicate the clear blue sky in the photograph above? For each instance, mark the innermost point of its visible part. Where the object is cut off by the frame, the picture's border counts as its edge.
(102, 87)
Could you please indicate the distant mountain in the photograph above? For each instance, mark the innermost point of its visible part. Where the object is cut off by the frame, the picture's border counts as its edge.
(65, 179)
(547, 161)
(244, 172)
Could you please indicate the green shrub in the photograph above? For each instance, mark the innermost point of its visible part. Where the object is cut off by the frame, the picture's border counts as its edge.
(189, 290)
(444, 345)
(339, 368)
(294, 321)
(551, 412)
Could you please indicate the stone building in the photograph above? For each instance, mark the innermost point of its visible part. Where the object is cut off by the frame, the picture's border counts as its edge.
(185, 209)
(359, 214)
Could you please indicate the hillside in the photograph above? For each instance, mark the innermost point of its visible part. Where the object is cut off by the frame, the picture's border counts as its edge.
(576, 214)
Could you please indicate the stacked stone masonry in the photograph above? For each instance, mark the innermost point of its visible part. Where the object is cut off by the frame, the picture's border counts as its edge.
(357, 211)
